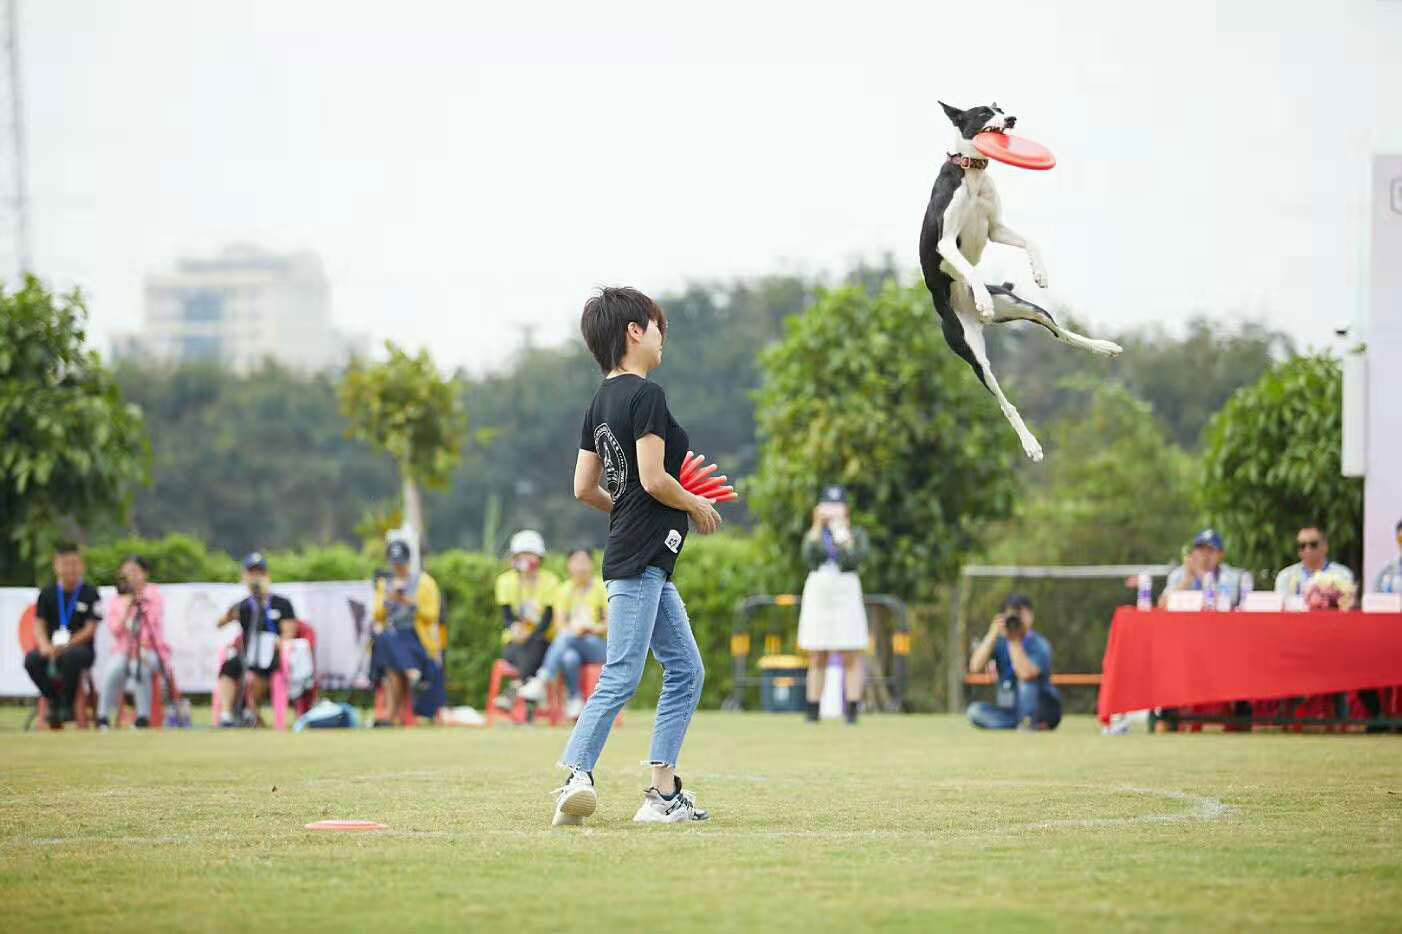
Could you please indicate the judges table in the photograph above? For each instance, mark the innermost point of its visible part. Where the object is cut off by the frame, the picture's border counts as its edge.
(1156, 658)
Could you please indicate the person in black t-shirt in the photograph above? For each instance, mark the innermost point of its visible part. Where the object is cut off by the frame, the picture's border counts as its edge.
(630, 453)
(66, 618)
(266, 618)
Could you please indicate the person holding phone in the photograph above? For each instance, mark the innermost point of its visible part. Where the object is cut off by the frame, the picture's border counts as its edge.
(266, 618)
(832, 618)
(136, 620)
(407, 653)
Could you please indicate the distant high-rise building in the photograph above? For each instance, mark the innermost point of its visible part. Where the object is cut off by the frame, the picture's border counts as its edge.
(240, 307)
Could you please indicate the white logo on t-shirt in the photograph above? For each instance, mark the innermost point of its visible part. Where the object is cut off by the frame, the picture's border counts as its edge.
(615, 464)
(674, 541)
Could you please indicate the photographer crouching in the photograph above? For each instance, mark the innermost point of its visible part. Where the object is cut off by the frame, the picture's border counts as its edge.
(1026, 697)
(136, 618)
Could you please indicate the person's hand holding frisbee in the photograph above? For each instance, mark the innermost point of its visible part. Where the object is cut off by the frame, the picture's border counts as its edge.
(702, 481)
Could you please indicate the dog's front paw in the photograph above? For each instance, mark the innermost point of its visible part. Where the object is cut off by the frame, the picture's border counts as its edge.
(1032, 449)
(983, 304)
(1107, 348)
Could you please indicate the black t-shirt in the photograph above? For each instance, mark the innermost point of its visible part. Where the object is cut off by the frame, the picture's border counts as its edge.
(84, 606)
(642, 531)
(266, 617)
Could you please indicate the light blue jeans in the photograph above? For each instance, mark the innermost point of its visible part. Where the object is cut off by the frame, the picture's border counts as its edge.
(991, 717)
(566, 654)
(644, 612)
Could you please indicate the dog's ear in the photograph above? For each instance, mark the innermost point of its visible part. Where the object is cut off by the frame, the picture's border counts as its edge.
(953, 113)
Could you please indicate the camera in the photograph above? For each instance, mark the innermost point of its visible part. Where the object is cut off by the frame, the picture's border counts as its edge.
(123, 585)
(1012, 623)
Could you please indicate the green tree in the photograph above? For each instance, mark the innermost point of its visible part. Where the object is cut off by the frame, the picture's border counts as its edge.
(1271, 465)
(408, 409)
(1184, 379)
(863, 391)
(1115, 489)
(73, 449)
(251, 461)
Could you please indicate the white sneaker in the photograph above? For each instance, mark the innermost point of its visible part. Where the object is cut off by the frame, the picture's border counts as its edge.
(659, 810)
(533, 691)
(575, 800)
(573, 708)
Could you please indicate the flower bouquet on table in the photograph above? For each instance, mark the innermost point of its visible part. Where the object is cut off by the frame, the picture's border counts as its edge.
(1330, 590)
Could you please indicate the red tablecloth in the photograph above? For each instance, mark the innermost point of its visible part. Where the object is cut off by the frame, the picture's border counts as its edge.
(1160, 659)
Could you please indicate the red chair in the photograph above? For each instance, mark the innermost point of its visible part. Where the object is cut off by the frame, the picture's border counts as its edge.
(126, 713)
(406, 709)
(84, 704)
(554, 707)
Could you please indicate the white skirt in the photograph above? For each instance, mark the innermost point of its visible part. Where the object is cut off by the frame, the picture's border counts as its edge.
(832, 617)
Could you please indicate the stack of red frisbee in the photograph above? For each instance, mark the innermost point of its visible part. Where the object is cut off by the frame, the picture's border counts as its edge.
(702, 480)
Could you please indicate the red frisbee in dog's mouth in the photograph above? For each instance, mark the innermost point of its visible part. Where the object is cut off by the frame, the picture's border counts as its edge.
(1014, 150)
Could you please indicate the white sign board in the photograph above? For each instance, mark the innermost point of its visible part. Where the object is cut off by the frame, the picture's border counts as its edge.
(339, 611)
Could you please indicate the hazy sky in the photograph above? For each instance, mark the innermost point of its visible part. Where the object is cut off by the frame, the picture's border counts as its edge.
(467, 168)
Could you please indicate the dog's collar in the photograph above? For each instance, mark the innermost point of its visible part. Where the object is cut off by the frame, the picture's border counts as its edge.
(967, 162)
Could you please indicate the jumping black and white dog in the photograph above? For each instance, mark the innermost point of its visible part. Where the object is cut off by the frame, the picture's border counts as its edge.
(963, 216)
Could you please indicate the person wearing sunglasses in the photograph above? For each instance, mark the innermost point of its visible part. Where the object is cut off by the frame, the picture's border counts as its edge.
(1389, 579)
(1313, 547)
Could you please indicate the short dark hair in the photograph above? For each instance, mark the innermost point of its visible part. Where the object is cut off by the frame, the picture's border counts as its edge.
(66, 548)
(139, 561)
(1017, 601)
(588, 553)
(1323, 535)
(605, 321)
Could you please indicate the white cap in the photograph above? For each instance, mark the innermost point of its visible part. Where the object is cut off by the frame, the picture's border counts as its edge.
(528, 541)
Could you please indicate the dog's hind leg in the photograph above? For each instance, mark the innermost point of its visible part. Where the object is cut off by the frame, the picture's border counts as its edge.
(1009, 306)
(965, 335)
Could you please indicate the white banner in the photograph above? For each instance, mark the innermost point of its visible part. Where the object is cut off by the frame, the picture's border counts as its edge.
(339, 611)
(1382, 491)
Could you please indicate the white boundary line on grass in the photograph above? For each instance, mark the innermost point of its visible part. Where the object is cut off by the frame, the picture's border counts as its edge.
(1201, 808)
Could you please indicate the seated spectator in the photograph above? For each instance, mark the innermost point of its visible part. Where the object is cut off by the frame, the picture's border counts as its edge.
(1203, 569)
(1298, 579)
(1026, 697)
(1389, 579)
(525, 594)
(407, 654)
(581, 615)
(66, 616)
(266, 619)
(136, 619)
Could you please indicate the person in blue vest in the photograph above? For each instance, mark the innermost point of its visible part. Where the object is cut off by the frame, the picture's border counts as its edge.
(1389, 579)
(1313, 547)
(1027, 699)
(266, 618)
(66, 615)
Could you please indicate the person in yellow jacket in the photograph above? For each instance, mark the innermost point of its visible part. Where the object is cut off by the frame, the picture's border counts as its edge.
(526, 595)
(407, 652)
(581, 617)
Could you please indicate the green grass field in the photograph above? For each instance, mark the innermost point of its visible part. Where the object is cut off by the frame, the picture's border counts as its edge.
(905, 823)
